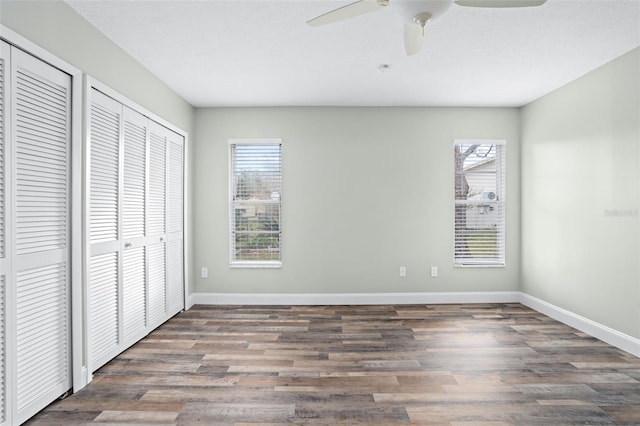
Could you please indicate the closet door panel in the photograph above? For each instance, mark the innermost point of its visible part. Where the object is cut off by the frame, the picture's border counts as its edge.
(105, 127)
(175, 281)
(175, 177)
(4, 263)
(134, 175)
(41, 187)
(41, 164)
(105, 294)
(4, 82)
(134, 294)
(157, 284)
(3, 348)
(134, 271)
(157, 180)
(42, 333)
(104, 336)
(156, 226)
(175, 223)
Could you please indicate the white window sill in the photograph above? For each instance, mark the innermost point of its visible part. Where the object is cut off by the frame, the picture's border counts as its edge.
(480, 265)
(255, 265)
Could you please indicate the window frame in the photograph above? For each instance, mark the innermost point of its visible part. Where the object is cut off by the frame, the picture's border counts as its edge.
(233, 204)
(499, 260)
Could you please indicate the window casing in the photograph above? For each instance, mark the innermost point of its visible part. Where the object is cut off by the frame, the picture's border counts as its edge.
(255, 192)
(479, 197)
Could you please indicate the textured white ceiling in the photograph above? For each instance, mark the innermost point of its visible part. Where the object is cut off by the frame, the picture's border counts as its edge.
(262, 52)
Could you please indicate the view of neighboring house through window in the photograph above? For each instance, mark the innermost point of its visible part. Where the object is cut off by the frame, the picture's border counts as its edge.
(255, 202)
(479, 202)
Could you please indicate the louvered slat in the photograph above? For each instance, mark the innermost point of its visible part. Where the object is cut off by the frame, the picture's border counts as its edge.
(134, 298)
(133, 197)
(41, 162)
(104, 337)
(157, 284)
(104, 170)
(42, 330)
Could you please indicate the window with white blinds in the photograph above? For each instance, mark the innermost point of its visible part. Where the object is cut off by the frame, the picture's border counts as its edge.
(479, 219)
(255, 202)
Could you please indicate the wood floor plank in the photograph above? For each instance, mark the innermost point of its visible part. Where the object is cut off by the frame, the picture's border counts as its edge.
(479, 364)
(130, 416)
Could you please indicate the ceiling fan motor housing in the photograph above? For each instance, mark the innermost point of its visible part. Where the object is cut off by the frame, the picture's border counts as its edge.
(420, 11)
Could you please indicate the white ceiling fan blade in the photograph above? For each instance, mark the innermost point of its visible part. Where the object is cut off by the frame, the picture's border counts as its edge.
(349, 11)
(413, 38)
(500, 3)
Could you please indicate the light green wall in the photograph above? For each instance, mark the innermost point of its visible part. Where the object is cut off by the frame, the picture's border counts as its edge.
(580, 192)
(366, 190)
(56, 27)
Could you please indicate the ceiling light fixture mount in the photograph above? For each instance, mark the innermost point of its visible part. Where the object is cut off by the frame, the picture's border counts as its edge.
(422, 19)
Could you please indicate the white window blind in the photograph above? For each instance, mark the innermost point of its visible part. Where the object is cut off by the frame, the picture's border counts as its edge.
(255, 202)
(479, 196)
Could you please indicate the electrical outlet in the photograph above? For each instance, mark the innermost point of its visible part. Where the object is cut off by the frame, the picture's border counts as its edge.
(403, 271)
(434, 271)
(204, 272)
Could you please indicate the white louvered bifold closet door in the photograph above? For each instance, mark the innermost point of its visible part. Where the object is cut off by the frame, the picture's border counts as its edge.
(130, 266)
(37, 172)
(156, 227)
(175, 223)
(134, 271)
(105, 118)
(4, 217)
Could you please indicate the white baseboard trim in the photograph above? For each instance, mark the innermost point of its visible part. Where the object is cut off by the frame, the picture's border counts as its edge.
(352, 298)
(599, 331)
(82, 380)
(606, 334)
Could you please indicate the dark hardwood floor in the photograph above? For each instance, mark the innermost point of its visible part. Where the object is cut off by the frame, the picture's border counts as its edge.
(480, 364)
